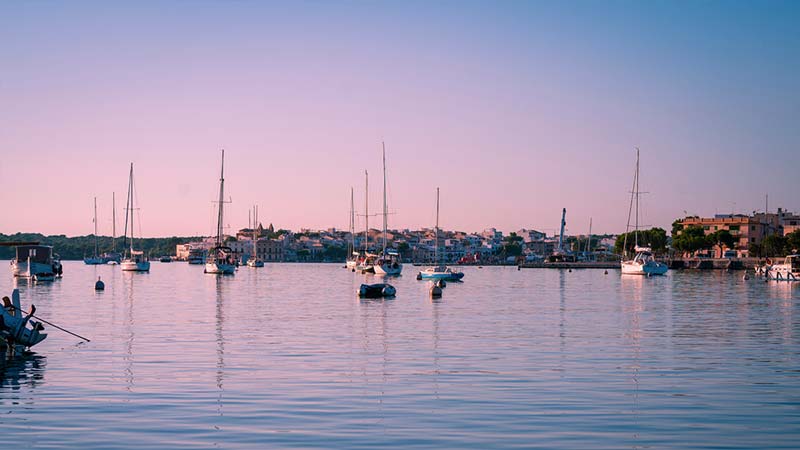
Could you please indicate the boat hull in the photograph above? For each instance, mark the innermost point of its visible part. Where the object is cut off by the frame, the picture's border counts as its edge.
(255, 263)
(94, 261)
(20, 268)
(446, 276)
(133, 266)
(220, 269)
(388, 269)
(649, 268)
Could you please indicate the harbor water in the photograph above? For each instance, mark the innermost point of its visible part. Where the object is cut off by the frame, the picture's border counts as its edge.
(287, 356)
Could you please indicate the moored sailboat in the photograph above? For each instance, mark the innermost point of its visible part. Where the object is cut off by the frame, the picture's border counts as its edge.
(643, 262)
(254, 260)
(389, 261)
(95, 258)
(220, 258)
(134, 260)
(440, 271)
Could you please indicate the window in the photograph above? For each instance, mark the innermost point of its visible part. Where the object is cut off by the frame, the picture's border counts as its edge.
(752, 228)
(734, 227)
(705, 227)
(752, 239)
(715, 227)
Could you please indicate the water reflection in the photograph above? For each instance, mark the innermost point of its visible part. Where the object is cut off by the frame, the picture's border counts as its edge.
(21, 370)
(219, 318)
(130, 282)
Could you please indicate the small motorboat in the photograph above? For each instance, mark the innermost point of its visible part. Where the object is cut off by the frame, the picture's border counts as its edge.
(14, 330)
(165, 259)
(378, 290)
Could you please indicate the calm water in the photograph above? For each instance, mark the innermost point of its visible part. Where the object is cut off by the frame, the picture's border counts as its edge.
(287, 356)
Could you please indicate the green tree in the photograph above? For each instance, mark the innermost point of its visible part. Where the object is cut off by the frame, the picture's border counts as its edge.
(754, 250)
(690, 240)
(793, 241)
(655, 238)
(722, 239)
(774, 245)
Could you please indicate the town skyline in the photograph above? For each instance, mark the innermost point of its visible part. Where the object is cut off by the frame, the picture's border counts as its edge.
(515, 112)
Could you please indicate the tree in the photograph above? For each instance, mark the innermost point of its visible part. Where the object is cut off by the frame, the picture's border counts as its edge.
(754, 250)
(690, 240)
(655, 238)
(774, 245)
(793, 241)
(722, 239)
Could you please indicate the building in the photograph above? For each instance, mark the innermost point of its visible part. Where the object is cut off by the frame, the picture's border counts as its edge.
(746, 230)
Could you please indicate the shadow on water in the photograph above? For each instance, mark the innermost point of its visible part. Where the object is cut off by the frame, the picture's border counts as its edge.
(21, 370)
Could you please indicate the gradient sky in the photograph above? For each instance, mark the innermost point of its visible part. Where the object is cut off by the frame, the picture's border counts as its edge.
(515, 109)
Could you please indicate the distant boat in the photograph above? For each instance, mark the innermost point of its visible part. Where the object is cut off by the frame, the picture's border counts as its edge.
(254, 261)
(95, 259)
(113, 257)
(134, 260)
(389, 261)
(196, 256)
(220, 258)
(643, 263)
(165, 259)
(352, 255)
(366, 260)
(440, 271)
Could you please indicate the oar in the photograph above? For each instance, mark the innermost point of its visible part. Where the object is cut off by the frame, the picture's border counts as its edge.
(56, 326)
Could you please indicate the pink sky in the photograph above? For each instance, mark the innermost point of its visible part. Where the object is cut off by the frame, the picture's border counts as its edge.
(514, 111)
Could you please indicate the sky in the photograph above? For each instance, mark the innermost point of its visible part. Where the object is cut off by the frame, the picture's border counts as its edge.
(514, 109)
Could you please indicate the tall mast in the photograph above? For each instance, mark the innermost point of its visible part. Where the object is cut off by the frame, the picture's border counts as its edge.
(589, 241)
(636, 178)
(385, 211)
(630, 207)
(95, 227)
(366, 212)
(436, 246)
(352, 223)
(113, 223)
(221, 200)
(130, 202)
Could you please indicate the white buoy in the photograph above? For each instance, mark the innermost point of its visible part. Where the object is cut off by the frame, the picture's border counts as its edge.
(99, 285)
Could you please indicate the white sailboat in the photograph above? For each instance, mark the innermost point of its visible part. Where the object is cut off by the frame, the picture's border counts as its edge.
(440, 271)
(95, 258)
(134, 260)
(643, 263)
(389, 262)
(220, 259)
(254, 260)
(367, 260)
(352, 255)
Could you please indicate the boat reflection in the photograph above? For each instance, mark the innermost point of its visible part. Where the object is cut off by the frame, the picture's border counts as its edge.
(20, 371)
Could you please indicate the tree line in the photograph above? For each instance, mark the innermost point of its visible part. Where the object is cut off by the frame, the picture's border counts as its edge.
(78, 247)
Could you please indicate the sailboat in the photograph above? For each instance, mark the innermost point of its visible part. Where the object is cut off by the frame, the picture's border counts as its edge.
(220, 259)
(352, 254)
(389, 262)
(643, 263)
(134, 260)
(367, 260)
(441, 271)
(254, 260)
(95, 259)
(113, 257)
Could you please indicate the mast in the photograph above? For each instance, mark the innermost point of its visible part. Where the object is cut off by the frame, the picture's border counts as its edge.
(385, 211)
(561, 234)
(589, 242)
(95, 227)
(634, 192)
(352, 224)
(221, 200)
(113, 223)
(636, 229)
(366, 213)
(436, 246)
(130, 202)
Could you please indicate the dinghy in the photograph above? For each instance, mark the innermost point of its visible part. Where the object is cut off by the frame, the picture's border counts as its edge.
(379, 290)
(14, 328)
